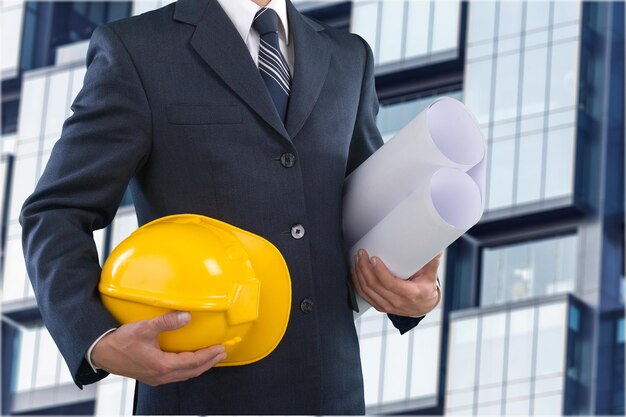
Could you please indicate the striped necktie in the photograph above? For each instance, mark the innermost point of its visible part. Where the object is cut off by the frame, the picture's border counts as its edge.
(272, 64)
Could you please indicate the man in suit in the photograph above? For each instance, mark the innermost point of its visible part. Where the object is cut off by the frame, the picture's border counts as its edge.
(176, 104)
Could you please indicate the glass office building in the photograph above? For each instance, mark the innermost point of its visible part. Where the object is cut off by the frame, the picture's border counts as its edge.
(532, 320)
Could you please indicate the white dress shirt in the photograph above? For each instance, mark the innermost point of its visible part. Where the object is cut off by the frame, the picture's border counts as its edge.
(241, 13)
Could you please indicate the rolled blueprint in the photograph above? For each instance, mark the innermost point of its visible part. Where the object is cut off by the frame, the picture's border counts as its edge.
(419, 192)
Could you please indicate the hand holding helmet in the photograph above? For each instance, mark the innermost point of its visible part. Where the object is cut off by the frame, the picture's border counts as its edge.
(133, 351)
(188, 288)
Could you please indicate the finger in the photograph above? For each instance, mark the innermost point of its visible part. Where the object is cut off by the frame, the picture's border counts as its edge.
(184, 374)
(367, 294)
(433, 265)
(169, 321)
(430, 269)
(386, 278)
(381, 280)
(370, 286)
(193, 360)
(359, 285)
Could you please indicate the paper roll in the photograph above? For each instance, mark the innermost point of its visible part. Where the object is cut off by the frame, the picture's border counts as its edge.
(419, 192)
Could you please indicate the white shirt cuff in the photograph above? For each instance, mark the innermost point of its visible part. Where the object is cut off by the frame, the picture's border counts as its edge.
(88, 354)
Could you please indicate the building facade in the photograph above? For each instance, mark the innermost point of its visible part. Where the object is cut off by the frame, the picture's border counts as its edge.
(532, 320)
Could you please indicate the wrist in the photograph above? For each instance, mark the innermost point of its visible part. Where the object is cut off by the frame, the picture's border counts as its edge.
(438, 290)
(93, 352)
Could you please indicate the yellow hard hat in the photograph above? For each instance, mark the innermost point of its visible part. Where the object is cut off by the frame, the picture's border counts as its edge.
(235, 284)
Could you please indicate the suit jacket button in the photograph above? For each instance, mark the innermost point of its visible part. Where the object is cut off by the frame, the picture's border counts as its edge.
(297, 231)
(288, 160)
(306, 305)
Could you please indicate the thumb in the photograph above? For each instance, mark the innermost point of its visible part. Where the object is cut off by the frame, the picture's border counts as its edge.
(169, 321)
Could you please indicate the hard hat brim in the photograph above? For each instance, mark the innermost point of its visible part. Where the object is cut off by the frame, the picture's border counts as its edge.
(274, 301)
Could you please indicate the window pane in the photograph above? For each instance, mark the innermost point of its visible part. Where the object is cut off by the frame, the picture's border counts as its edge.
(481, 21)
(548, 406)
(560, 162)
(418, 27)
(492, 292)
(566, 11)
(365, 22)
(58, 87)
(564, 68)
(370, 361)
(462, 354)
(565, 279)
(537, 15)
(550, 384)
(117, 10)
(11, 40)
(31, 107)
(518, 389)
(544, 260)
(26, 358)
(518, 407)
(489, 410)
(142, 6)
(110, 391)
(123, 226)
(528, 269)
(391, 31)
(477, 88)
(490, 394)
(14, 282)
(47, 360)
(535, 71)
(510, 18)
(536, 38)
(501, 173)
(507, 79)
(457, 399)
(551, 339)
(520, 345)
(396, 362)
(446, 25)
(24, 179)
(529, 168)
(393, 117)
(425, 360)
(492, 349)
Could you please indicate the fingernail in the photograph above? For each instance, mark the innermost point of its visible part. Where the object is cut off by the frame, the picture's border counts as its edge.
(373, 261)
(221, 349)
(361, 252)
(222, 356)
(356, 258)
(183, 317)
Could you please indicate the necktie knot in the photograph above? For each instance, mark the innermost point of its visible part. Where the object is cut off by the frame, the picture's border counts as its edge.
(265, 21)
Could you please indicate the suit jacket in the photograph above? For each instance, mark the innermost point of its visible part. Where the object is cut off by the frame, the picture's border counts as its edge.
(173, 103)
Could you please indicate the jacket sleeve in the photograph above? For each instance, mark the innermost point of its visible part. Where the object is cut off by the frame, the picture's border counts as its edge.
(102, 145)
(366, 139)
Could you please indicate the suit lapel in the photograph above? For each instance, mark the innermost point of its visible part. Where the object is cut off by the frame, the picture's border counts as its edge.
(311, 61)
(219, 44)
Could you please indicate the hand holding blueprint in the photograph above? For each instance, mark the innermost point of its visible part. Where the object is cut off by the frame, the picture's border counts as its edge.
(419, 192)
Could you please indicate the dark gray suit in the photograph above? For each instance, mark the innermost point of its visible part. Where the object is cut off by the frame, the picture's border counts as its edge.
(173, 103)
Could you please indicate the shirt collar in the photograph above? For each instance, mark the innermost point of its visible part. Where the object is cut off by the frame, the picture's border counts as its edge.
(241, 13)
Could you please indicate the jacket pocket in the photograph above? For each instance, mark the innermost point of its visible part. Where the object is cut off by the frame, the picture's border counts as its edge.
(203, 114)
